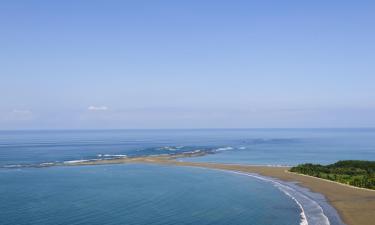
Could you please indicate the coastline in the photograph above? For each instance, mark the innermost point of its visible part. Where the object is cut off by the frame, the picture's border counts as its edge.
(354, 205)
(335, 182)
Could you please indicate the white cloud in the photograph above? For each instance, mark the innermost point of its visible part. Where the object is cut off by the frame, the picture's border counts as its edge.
(97, 108)
(21, 111)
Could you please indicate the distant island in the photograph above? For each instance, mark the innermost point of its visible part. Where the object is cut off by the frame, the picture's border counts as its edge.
(357, 173)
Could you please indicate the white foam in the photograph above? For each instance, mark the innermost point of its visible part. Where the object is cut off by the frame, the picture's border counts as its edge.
(303, 215)
(122, 156)
(75, 161)
(224, 149)
(47, 164)
(311, 214)
(13, 166)
(169, 148)
(195, 151)
(109, 155)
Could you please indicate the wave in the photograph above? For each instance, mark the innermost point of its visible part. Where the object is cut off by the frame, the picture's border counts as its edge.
(13, 166)
(100, 157)
(171, 148)
(75, 161)
(195, 151)
(47, 164)
(311, 212)
(302, 214)
(223, 149)
(112, 156)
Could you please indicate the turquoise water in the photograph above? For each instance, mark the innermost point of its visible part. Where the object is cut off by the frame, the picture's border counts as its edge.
(145, 194)
(139, 194)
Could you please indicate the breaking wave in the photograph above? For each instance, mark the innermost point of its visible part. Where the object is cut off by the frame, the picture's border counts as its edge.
(311, 212)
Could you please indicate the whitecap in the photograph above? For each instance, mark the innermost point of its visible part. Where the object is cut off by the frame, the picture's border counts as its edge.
(223, 149)
(47, 164)
(113, 156)
(14, 166)
(169, 148)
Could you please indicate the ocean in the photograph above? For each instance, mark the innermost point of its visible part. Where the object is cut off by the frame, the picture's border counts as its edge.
(150, 194)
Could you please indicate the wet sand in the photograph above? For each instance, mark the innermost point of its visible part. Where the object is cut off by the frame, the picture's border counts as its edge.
(355, 206)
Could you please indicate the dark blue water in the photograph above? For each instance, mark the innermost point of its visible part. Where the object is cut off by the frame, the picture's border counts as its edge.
(144, 194)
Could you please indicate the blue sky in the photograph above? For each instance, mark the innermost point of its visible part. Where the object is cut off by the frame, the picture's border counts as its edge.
(186, 64)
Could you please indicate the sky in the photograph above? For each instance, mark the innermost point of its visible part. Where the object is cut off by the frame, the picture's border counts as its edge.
(186, 64)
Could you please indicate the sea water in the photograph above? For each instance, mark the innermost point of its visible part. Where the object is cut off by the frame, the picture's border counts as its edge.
(146, 194)
(251, 146)
(139, 194)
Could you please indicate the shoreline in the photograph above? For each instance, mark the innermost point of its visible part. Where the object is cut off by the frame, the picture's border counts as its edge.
(351, 205)
(335, 182)
(354, 205)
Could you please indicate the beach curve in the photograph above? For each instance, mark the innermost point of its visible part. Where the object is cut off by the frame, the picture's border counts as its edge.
(355, 206)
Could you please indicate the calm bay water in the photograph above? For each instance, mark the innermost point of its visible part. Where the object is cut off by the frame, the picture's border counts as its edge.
(145, 194)
(139, 194)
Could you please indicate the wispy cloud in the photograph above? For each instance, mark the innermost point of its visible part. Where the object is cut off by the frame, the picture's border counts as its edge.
(97, 108)
(16, 115)
(21, 111)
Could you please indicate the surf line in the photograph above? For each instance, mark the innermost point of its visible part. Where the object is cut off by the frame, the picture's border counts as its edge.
(284, 188)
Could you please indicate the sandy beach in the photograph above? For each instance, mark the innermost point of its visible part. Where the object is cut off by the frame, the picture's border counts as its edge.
(355, 206)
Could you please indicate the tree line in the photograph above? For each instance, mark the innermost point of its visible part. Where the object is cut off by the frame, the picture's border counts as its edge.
(352, 172)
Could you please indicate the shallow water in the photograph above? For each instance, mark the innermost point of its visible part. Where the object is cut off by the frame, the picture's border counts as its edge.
(139, 194)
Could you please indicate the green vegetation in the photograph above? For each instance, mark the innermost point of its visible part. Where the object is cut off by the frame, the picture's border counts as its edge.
(353, 172)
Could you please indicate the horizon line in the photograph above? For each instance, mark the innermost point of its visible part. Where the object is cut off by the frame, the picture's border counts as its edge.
(208, 128)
